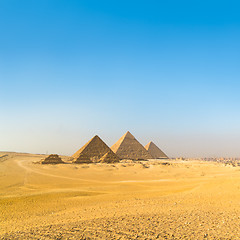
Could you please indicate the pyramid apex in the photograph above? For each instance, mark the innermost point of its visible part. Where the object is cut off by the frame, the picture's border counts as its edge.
(148, 145)
(127, 147)
(151, 143)
(128, 135)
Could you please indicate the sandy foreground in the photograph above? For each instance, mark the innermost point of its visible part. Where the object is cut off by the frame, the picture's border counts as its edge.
(143, 200)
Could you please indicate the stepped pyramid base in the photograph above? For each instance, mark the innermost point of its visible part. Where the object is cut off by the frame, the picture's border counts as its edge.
(82, 158)
(109, 157)
(52, 159)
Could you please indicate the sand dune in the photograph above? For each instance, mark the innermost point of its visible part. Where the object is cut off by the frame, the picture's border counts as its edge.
(126, 200)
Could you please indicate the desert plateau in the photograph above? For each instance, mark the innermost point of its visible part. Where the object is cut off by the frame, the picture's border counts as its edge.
(155, 199)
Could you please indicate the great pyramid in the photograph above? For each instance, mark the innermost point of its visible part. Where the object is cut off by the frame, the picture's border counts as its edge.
(155, 151)
(92, 151)
(109, 157)
(52, 159)
(127, 147)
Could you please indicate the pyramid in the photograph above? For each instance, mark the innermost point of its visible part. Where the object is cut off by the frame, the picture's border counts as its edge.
(83, 158)
(52, 159)
(155, 151)
(92, 151)
(109, 157)
(127, 147)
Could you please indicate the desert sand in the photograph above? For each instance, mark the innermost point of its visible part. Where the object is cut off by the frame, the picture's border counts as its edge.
(156, 199)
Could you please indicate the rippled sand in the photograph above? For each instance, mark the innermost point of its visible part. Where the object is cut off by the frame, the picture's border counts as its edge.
(144, 200)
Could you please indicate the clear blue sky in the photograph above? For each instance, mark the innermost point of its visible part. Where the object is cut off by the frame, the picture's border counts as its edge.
(167, 71)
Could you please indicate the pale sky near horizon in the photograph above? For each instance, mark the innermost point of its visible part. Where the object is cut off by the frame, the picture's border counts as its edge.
(167, 71)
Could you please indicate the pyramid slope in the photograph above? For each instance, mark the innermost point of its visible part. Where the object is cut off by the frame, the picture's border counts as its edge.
(110, 157)
(92, 151)
(116, 146)
(76, 154)
(127, 147)
(155, 151)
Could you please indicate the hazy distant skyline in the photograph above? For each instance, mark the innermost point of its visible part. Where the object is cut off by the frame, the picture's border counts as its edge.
(166, 71)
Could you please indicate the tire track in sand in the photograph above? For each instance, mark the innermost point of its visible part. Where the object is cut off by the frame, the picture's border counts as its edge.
(20, 163)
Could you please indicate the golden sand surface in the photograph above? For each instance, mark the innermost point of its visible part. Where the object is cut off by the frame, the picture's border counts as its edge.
(126, 200)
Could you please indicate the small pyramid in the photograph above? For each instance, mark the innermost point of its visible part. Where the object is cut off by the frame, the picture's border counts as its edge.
(82, 158)
(127, 147)
(155, 151)
(92, 151)
(109, 157)
(52, 159)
